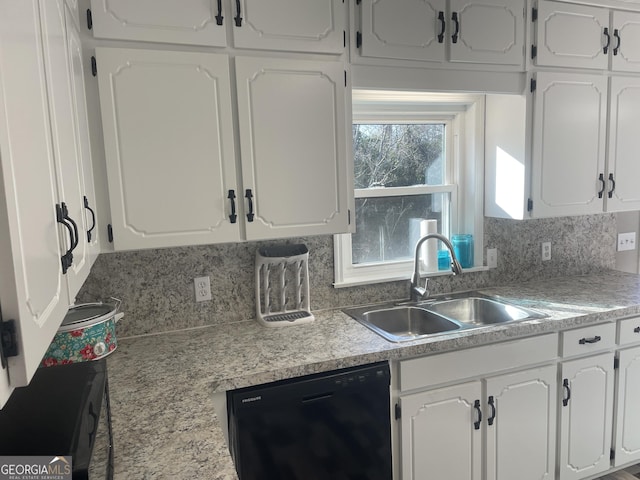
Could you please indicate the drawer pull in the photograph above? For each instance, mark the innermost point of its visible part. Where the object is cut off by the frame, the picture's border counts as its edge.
(636, 330)
(476, 425)
(565, 385)
(595, 339)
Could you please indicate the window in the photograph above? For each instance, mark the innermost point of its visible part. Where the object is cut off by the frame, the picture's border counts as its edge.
(415, 159)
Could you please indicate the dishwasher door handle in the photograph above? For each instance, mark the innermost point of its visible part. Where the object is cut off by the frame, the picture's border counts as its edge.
(317, 397)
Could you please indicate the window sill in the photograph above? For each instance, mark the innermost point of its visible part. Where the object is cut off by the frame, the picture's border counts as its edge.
(407, 276)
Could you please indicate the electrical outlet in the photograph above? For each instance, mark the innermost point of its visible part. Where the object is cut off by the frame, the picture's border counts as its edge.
(626, 241)
(492, 257)
(546, 251)
(203, 288)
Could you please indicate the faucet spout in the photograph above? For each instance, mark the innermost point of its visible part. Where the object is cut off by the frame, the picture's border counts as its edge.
(416, 292)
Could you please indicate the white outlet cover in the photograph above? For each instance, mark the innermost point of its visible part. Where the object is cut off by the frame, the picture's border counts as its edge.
(202, 286)
(492, 257)
(546, 251)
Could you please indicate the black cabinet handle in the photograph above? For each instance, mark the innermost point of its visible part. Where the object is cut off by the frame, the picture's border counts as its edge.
(454, 18)
(605, 49)
(249, 196)
(93, 218)
(603, 183)
(595, 339)
(238, 18)
(232, 198)
(219, 17)
(636, 330)
(442, 27)
(65, 214)
(94, 428)
(565, 385)
(67, 258)
(476, 424)
(616, 35)
(492, 404)
(613, 185)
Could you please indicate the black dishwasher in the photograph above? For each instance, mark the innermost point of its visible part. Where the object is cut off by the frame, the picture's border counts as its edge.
(327, 426)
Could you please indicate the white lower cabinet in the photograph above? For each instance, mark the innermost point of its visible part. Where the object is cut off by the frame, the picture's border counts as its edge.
(586, 416)
(627, 424)
(586, 401)
(521, 425)
(496, 426)
(439, 438)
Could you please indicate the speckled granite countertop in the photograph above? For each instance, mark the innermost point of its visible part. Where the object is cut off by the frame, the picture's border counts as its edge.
(165, 425)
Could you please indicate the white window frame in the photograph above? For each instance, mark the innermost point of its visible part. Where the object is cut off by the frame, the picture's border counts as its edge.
(464, 119)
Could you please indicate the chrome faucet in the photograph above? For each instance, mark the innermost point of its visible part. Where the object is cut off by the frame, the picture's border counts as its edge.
(416, 293)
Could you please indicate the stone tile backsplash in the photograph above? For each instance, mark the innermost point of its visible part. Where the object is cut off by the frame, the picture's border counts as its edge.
(156, 286)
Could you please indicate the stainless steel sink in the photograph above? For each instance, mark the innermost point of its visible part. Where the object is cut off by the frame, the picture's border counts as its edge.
(400, 323)
(406, 322)
(481, 311)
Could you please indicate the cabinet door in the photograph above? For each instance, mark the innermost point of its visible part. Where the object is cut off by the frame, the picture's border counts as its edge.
(586, 416)
(194, 22)
(294, 146)
(90, 235)
(169, 147)
(33, 291)
(624, 144)
(439, 438)
(291, 25)
(627, 433)
(404, 29)
(521, 425)
(625, 44)
(569, 134)
(572, 35)
(488, 32)
(64, 124)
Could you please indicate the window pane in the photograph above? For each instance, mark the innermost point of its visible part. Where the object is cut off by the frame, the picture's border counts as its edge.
(398, 155)
(387, 228)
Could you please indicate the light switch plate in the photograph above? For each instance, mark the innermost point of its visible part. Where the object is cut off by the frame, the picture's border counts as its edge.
(626, 241)
(492, 257)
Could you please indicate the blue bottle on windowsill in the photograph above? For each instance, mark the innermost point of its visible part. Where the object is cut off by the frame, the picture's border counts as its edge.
(463, 248)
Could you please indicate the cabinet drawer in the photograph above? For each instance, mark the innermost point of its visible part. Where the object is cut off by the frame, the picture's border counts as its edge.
(473, 362)
(588, 339)
(629, 331)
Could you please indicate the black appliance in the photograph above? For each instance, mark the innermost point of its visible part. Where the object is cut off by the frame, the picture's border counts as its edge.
(328, 426)
(63, 411)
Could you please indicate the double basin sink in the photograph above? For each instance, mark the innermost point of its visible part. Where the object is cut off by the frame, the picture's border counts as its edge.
(412, 321)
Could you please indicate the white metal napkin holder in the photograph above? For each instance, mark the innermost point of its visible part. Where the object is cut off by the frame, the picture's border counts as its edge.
(282, 285)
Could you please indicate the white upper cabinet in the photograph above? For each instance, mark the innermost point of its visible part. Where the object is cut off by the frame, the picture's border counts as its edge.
(572, 35)
(33, 291)
(405, 29)
(625, 48)
(491, 32)
(287, 25)
(70, 134)
(582, 36)
(290, 25)
(293, 128)
(195, 22)
(569, 135)
(623, 169)
(83, 145)
(169, 147)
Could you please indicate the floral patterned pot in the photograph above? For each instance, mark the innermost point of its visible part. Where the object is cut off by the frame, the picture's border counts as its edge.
(88, 332)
